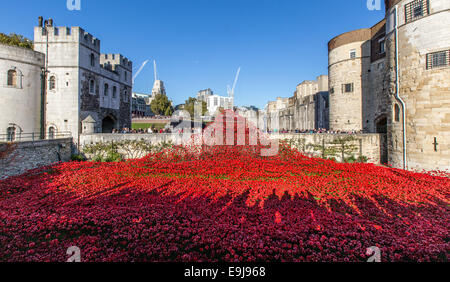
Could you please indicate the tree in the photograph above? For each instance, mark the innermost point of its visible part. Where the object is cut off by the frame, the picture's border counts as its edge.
(16, 40)
(161, 105)
(189, 106)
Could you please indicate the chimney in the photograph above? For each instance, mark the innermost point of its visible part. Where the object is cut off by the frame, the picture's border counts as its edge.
(41, 21)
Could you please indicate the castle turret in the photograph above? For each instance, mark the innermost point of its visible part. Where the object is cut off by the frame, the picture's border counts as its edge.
(348, 65)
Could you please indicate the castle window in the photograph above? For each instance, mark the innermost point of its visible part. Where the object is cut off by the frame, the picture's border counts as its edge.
(382, 47)
(10, 134)
(106, 90)
(92, 60)
(92, 86)
(114, 92)
(438, 59)
(347, 88)
(12, 78)
(416, 9)
(332, 90)
(51, 132)
(396, 113)
(125, 74)
(352, 54)
(52, 83)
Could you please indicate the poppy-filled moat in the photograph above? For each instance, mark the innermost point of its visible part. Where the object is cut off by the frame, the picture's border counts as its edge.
(224, 204)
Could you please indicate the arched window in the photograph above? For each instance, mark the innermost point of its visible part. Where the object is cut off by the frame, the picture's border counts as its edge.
(396, 113)
(10, 134)
(52, 83)
(12, 78)
(106, 90)
(51, 132)
(92, 60)
(92, 86)
(114, 94)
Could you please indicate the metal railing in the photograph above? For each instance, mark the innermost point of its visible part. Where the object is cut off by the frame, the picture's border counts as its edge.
(33, 136)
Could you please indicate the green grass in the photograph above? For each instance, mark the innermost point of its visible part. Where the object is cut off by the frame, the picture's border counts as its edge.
(158, 126)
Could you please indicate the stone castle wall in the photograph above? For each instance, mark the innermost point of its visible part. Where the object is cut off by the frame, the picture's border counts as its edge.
(426, 92)
(31, 155)
(368, 145)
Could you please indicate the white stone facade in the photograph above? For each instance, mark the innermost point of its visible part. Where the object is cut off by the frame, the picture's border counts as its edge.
(20, 98)
(214, 102)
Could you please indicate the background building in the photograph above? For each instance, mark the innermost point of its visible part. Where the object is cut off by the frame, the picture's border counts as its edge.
(308, 109)
(215, 102)
(158, 88)
(203, 95)
(140, 106)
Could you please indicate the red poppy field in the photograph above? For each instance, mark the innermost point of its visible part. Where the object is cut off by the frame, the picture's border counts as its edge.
(224, 204)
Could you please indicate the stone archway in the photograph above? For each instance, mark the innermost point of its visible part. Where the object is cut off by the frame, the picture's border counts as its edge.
(108, 124)
(381, 128)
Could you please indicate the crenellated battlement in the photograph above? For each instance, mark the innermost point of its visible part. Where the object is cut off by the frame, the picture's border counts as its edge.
(65, 34)
(111, 61)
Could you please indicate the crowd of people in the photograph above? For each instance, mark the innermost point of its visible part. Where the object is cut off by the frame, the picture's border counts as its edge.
(315, 131)
(141, 131)
(195, 130)
(154, 130)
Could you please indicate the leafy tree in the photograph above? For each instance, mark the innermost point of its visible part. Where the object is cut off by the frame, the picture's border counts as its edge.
(16, 40)
(168, 112)
(161, 105)
(189, 106)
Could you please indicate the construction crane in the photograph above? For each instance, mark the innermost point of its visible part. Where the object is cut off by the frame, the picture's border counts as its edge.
(231, 91)
(154, 66)
(139, 70)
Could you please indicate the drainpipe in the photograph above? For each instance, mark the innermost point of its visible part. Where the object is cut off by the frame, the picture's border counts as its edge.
(42, 131)
(397, 89)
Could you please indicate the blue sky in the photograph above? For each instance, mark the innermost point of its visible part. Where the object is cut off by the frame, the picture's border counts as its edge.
(200, 44)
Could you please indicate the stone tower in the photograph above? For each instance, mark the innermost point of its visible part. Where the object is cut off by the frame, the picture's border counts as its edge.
(418, 47)
(81, 81)
(348, 63)
(358, 78)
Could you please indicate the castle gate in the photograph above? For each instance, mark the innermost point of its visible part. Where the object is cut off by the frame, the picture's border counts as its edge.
(108, 124)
